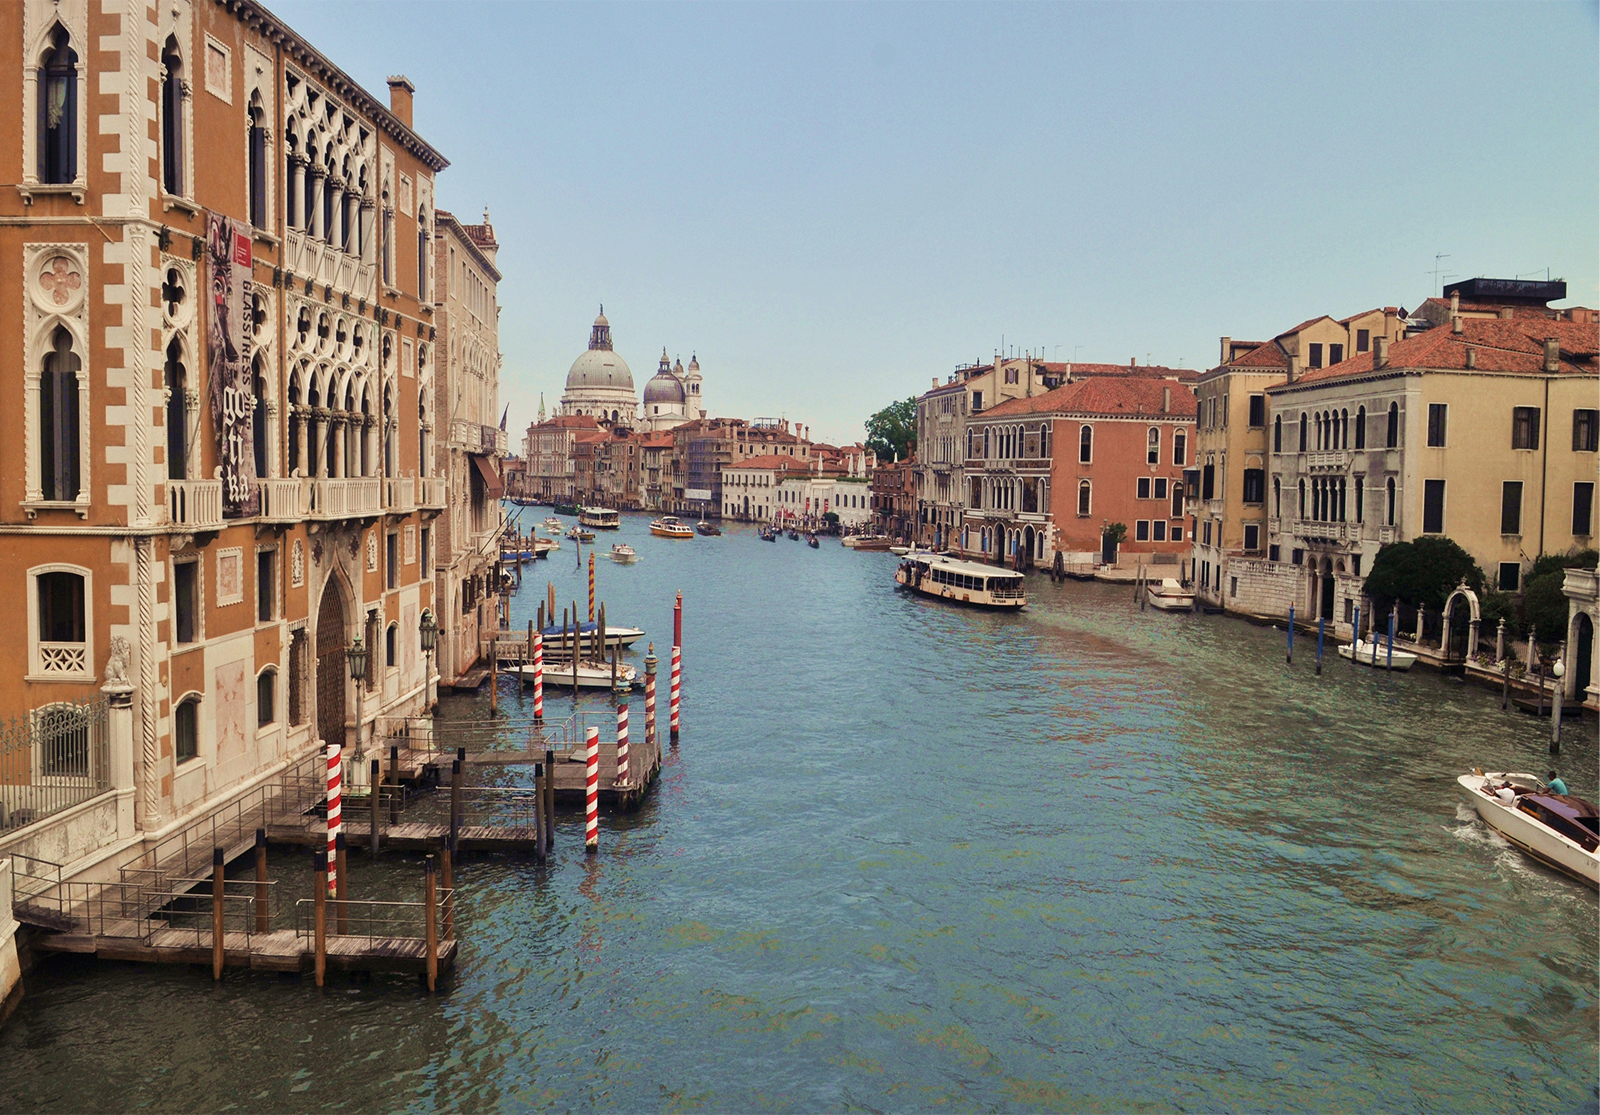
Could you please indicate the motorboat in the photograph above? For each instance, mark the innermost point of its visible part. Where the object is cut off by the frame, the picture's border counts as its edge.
(590, 675)
(1558, 830)
(710, 530)
(566, 508)
(866, 542)
(962, 582)
(542, 546)
(669, 526)
(623, 554)
(580, 534)
(616, 636)
(599, 518)
(1372, 652)
(554, 525)
(1169, 595)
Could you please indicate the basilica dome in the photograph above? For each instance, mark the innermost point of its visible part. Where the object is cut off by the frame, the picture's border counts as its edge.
(599, 366)
(664, 388)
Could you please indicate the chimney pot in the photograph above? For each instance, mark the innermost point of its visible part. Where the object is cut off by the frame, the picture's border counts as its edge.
(1455, 301)
(1294, 367)
(1380, 351)
(1472, 357)
(1455, 324)
(1552, 354)
(1166, 399)
(400, 94)
(1226, 344)
(1132, 363)
(1507, 313)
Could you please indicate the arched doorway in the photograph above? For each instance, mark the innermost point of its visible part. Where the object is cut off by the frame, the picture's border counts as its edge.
(331, 669)
(1326, 602)
(1027, 536)
(1582, 656)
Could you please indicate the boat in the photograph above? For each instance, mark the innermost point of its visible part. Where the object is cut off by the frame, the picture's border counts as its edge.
(542, 546)
(565, 508)
(615, 636)
(811, 540)
(768, 534)
(964, 582)
(580, 534)
(794, 535)
(591, 675)
(669, 526)
(877, 543)
(623, 554)
(514, 555)
(914, 550)
(1169, 595)
(1558, 830)
(710, 530)
(599, 518)
(523, 501)
(1373, 653)
(554, 525)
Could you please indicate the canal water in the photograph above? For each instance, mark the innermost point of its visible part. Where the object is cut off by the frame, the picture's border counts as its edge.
(910, 856)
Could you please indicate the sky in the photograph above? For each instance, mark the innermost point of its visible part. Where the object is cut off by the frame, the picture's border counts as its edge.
(831, 204)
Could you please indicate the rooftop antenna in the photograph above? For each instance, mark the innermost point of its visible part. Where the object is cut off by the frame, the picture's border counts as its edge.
(1437, 268)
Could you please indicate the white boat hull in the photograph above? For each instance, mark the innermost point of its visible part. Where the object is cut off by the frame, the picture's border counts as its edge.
(1537, 840)
(1169, 596)
(1377, 654)
(591, 675)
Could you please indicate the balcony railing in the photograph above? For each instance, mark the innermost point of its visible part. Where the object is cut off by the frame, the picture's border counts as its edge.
(195, 504)
(1387, 535)
(346, 498)
(475, 438)
(1339, 458)
(401, 497)
(1327, 532)
(282, 501)
(431, 492)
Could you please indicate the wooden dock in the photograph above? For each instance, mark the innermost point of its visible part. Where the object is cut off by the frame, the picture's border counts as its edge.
(280, 950)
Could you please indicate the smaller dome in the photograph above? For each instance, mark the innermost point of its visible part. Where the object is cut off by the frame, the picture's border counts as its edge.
(694, 363)
(664, 389)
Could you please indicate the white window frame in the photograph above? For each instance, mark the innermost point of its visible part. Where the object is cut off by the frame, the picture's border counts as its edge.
(36, 33)
(36, 670)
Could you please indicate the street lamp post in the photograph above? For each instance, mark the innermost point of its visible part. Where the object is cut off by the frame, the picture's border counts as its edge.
(428, 628)
(356, 652)
(1558, 670)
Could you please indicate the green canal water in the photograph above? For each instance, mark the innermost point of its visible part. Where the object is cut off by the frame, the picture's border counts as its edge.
(911, 857)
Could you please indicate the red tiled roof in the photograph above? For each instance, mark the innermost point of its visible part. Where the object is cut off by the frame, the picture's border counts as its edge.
(1267, 355)
(568, 422)
(1104, 395)
(1369, 313)
(1305, 324)
(1498, 344)
(661, 440)
(594, 438)
(779, 461)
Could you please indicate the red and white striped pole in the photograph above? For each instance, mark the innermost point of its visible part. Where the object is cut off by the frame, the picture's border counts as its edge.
(591, 817)
(677, 621)
(677, 668)
(335, 781)
(622, 745)
(591, 586)
(650, 696)
(538, 676)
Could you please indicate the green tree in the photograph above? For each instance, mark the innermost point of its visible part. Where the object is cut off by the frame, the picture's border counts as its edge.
(1421, 574)
(1544, 605)
(892, 432)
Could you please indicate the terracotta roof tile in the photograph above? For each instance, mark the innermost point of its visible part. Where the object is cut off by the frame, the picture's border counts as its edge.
(1105, 395)
(1498, 344)
(779, 461)
(1267, 355)
(1310, 321)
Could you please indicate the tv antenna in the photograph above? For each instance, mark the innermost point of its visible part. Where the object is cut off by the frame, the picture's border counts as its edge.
(1439, 271)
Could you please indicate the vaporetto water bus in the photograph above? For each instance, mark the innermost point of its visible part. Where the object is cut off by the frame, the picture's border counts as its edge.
(964, 582)
(599, 518)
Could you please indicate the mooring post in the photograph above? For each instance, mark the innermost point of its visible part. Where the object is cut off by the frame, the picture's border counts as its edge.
(1355, 639)
(217, 869)
(591, 585)
(319, 907)
(394, 779)
(377, 804)
(549, 799)
(538, 677)
(591, 780)
(677, 620)
(539, 775)
(1394, 618)
(672, 700)
(622, 743)
(430, 900)
(577, 634)
(527, 660)
(340, 911)
(335, 781)
(261, 880)
(650, 696)
(1505, 682)
(455, 800)
(1290, 656)
(447, 881)
(1321, 623)
(1540, 684)
(494, 676)
(1557, 694)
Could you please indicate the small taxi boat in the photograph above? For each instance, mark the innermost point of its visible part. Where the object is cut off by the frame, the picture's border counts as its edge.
(580, 534)
(599, 518)
(1169, 595)
(591, 675)
(669, 526)
(962, 582)
(556, 634)
(554, 525)
(876, 543)
(1375, 652)
(1558, 830)
(709, 530)
(623, 554)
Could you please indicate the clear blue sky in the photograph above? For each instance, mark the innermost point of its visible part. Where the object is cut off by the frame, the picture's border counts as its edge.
(833, 203)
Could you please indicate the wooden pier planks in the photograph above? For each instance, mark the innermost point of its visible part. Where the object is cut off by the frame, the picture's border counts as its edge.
(278, 951)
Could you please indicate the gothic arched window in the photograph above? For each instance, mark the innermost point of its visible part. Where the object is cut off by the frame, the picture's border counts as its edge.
(176, 379)
(1361, 427)
(258, 165)
(172, 118)
(1085, 444)
(58, 111)
(1393, 439)
(258, 419)
(1277, 433)
(58, 420)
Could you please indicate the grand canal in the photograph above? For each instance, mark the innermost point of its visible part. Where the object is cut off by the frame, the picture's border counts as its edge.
(909, 857)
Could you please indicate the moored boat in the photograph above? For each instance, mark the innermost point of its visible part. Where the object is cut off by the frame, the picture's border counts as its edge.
(623, 554)
(669, 526)
(1559, 830)
(710, 530)
(615, 636)
(1370, 652)
(876, 543)
(590, 675)
(1169, 595)
(599, 518)
(963, 582)
(565, 508)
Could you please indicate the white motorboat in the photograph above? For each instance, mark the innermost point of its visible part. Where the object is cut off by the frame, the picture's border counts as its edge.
(1558, 830)
(556, 636)
(623, 554)
(591, 675)
(554, 525)
(1376, 653)
(1169, 595)
(963, 582)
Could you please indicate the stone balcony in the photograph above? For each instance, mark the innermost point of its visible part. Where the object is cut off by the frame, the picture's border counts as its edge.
(282, 501)
(351, 498)
(195, 504)
(432, 493)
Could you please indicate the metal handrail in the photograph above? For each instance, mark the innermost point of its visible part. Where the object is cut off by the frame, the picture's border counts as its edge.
(371, 918)
(173, 910)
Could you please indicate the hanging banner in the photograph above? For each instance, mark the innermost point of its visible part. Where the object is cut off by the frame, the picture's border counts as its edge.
(228, 355)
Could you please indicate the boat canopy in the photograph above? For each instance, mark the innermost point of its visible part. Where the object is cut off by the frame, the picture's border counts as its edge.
(965, 568)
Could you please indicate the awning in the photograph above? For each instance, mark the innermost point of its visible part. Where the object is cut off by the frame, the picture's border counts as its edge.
(490, 475)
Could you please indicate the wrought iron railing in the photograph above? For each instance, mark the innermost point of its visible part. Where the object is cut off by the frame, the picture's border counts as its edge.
(52, 759)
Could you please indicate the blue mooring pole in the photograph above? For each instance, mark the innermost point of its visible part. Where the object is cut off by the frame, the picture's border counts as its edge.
(1320, 622)
(1390, 664)
(1355, 639)
(1290, 656)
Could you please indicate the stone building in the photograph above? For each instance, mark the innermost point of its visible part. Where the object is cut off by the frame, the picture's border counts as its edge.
(750, 486)
(467, 402)
(548, 452)
(894, 497)
(672, 397)
(215, 474)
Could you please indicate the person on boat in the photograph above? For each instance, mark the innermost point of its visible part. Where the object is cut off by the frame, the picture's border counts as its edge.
(1506, 794)
(1556, 785)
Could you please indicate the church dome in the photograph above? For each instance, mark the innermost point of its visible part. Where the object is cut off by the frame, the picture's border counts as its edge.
(664, 389)
(600, 366)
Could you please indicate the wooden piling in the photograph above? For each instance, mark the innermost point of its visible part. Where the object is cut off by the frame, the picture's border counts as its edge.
(319, 907)
(1505, 683)
(677, 620)
(591, 586)
(650, 695)
(446, 880)
(1289, 657)
(455, 801)
(540, 849)
(576, 646)
(261, 880)
(217, 869)
(591, 781)
(1320, 625)
(341, 914)
(377, 805)
(549, 799)
(430, 899)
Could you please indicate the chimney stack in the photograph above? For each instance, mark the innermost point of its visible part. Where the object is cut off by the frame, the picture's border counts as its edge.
(1455, 302)
(1455, 324)
(1227, 343)
(1552, 354)
(1132, 363)
(1294, 367)
(1166, 400)
(400, 92)
(1472, 358)
(1507, 313)
(1380, 351)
